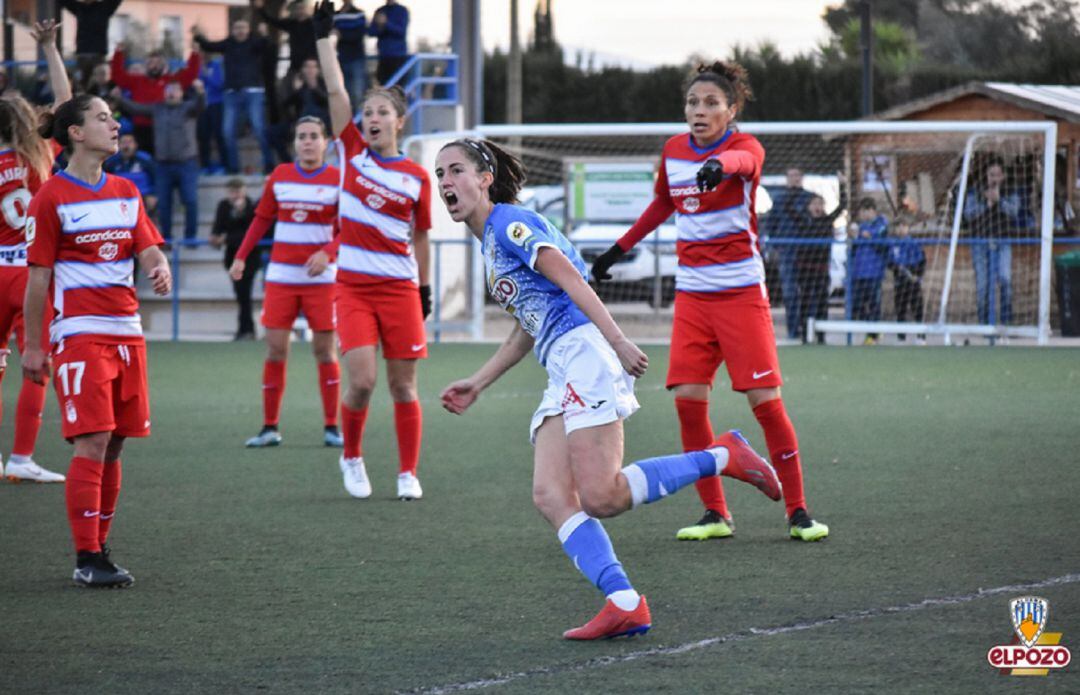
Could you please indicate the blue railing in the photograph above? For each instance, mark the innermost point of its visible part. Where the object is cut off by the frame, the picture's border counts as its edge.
(437, 325)
(423, 90)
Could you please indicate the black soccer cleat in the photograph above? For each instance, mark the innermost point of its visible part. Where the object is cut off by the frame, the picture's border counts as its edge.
(96, 571)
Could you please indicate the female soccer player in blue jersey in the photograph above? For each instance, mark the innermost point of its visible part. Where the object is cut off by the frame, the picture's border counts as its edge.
(537, 276)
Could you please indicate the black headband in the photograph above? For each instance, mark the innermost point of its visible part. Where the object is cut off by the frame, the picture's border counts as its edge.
(479, 147)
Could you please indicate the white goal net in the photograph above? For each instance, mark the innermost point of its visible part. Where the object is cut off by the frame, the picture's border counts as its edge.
(887, 231)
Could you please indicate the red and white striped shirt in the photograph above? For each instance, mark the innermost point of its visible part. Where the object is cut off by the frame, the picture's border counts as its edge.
(18, 184)
(718, 245)
(304, 205)
(383, 200)
(89, 236)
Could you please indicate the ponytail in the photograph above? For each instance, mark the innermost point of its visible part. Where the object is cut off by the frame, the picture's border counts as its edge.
(55, 124)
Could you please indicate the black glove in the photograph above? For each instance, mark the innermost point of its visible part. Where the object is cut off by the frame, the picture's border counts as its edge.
(425, 300)
(709, 175)
(604, 261)
(323, 19)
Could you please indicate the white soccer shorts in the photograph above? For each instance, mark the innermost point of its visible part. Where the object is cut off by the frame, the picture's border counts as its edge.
(586, 383)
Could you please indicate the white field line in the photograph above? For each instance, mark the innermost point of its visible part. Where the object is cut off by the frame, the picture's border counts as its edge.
(743, 635)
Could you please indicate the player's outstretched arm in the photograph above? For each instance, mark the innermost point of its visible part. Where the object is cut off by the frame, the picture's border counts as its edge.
(553, 265)
(338, 98)
(458, 396)
(35, 361)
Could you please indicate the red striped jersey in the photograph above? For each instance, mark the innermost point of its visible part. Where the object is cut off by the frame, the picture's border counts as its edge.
(303, 205)
(18, 184)
(89, 236)
(382, 201)
(717, 246)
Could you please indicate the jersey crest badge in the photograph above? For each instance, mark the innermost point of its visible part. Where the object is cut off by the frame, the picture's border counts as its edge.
(519, 233)
(108, 251)
(30, 230)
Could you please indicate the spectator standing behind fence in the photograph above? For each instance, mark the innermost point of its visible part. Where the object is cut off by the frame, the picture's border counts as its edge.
(908, 263)
(138, 167)
(812, 262)
(100, 83)
(177, 165)
(789, 205)
(991, 211)
(298, 27)
(91, 32)
(149, 88)
(234, 215)
(245, 92)
(351, 25)
(208, 129)
(307, 96)
(867, 265)
(390, 24)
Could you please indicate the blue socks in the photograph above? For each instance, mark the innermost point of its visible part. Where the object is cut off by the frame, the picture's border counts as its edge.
(656, 478)
(589, 548)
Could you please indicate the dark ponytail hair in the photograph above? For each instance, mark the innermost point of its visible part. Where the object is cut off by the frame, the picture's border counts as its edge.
(55, 124)
(729, 77)
(507, 170)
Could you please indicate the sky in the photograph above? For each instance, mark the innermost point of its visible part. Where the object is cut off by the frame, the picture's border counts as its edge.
(642, 34)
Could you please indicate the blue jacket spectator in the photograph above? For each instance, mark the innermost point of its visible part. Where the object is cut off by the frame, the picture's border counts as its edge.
(134, 165)
(868, 257)
(210, 127)
(351, 25)
(789, 206)
(390, 24)
(992, 212)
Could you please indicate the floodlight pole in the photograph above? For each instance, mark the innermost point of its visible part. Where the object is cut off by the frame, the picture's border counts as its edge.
(513, 69)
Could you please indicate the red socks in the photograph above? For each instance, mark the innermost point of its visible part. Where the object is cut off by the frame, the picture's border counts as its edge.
(110, 492)
(352, 430)
(783, 451)
(697, 434)
(82, 491)
(28, 417)
(409, 424)
(273, 391)
(329, 388)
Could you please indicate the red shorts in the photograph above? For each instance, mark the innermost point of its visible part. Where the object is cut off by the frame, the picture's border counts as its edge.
(734, 328)
(390, 312)
(283, 303)
(12, 291)
(102, 387)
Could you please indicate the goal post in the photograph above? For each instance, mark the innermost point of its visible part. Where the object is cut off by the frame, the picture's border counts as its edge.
(921, 173)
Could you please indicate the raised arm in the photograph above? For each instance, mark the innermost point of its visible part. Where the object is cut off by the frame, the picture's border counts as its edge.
(556, 267)
(44, 33)
(339, 106)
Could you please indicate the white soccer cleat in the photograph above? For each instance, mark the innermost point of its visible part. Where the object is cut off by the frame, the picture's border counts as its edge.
(408, 487)
(30, 472)
(355, 477)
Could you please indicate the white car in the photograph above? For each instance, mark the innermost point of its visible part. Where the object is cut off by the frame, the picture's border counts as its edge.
(633, 278)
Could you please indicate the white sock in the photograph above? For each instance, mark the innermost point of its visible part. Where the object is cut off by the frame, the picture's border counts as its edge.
(625, 599)
(19, 458)
(639, 484)
(721, 455)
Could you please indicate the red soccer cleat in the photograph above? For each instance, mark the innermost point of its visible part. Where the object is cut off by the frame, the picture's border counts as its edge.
(613, 621)
(744, 464)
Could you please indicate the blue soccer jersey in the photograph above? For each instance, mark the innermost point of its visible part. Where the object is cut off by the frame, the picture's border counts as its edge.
(513, 237)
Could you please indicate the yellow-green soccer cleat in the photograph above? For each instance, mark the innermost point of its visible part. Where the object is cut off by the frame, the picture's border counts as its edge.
(803, 528)
(712, 525)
